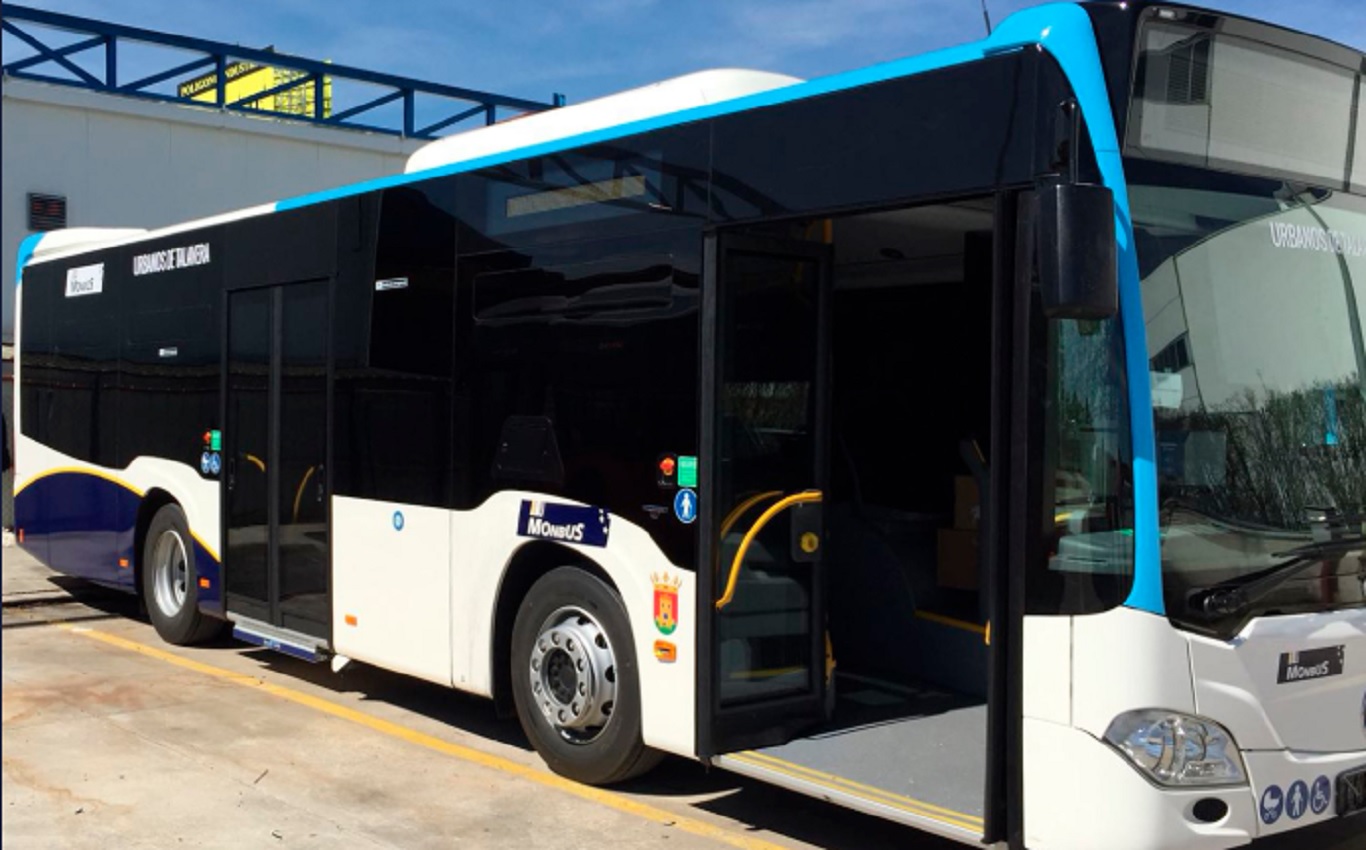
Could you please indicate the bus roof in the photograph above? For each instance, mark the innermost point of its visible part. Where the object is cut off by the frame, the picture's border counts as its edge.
(674, 95)
(1063, 28)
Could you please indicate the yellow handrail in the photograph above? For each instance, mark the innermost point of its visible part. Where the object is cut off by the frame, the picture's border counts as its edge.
(299, 493)
(773, 510)
(740, 509)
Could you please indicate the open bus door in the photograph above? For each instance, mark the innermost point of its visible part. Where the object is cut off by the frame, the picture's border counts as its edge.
(930, 738)
(763, 672)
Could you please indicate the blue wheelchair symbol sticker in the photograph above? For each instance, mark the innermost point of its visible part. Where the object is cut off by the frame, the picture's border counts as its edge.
(1297, 799)
(1320, 795)
(204, 463)
(398, 520)
(1272, 802)
(685, 506)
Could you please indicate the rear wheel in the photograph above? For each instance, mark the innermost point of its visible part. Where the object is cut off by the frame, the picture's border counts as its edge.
(170, 585)
(575, 681)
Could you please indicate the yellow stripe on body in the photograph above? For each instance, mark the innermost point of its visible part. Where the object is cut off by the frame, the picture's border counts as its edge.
(67, 470)
(385, 727)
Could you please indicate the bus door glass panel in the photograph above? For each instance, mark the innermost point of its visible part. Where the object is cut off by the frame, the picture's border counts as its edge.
(275, 442)
(246, 452)
(301, 484)
(768, 615)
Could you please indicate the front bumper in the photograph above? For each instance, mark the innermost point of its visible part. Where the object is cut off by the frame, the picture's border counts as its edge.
(1081, 794)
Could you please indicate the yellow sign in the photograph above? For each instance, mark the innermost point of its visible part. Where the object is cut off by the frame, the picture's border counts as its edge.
(245, 79)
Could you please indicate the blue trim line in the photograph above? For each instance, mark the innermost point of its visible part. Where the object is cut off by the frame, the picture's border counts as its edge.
(1065, 31)
(26, 249)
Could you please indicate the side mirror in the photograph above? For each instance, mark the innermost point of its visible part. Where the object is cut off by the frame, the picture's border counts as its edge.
(1078, 277)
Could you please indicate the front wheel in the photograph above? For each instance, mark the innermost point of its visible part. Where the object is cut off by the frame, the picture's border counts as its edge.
(575, 681)
(170, 585)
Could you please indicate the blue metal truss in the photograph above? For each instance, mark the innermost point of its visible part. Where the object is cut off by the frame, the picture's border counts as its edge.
(49, 60)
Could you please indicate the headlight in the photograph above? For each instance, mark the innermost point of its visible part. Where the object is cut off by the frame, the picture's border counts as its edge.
(1177, 749)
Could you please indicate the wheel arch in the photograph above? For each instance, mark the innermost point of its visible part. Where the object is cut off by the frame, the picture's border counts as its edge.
(152, 501)
(527, 564)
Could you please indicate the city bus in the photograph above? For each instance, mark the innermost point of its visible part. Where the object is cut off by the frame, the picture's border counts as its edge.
(975, 440)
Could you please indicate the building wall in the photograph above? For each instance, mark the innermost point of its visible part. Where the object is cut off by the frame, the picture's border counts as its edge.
(131, 163)
(122, 162)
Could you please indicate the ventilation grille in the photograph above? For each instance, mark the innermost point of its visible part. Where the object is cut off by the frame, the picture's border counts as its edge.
(46, 212)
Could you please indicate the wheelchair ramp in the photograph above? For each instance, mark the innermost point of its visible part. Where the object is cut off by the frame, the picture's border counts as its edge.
(916, 755)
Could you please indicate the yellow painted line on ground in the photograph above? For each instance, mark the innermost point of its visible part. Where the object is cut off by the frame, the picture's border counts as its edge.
(609, 799)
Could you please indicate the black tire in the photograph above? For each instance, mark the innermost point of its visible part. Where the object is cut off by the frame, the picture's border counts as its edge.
(168, 545)
(599, 754)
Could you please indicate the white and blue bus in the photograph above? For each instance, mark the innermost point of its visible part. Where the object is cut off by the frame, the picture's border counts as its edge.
(976, 440)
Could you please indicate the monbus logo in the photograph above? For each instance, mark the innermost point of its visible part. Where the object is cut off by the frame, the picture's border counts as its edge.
(566, 523)
(86, 280)
(1310, 664)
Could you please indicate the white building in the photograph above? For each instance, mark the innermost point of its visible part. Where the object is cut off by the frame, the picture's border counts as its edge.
(127, 162)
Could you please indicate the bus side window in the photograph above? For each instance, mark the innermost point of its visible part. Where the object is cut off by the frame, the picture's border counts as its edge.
(393, 396)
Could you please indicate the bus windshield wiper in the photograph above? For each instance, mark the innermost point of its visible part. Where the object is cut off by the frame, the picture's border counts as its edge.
(1234, 595)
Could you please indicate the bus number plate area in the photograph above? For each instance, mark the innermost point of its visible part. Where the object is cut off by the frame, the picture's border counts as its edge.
(1351, 791)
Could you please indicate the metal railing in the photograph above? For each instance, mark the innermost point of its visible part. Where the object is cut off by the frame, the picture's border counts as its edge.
(67, 50)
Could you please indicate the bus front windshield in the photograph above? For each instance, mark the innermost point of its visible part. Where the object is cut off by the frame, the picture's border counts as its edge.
(1247, 184)
(1254, 297)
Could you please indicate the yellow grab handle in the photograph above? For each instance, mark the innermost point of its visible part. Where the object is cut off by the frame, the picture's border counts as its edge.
(773, 510)
(739, 510)
(299, 493)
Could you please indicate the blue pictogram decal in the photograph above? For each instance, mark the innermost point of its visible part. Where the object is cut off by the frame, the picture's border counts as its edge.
(685, 506)
(1297, 799)
(1272, 802)
(1320, 795)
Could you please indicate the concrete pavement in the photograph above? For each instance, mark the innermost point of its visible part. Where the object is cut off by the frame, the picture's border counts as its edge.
(114, 739)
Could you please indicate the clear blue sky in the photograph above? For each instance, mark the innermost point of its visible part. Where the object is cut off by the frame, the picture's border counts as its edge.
(586, 48)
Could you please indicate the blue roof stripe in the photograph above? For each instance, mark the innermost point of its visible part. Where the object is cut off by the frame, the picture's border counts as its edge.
(26, 249)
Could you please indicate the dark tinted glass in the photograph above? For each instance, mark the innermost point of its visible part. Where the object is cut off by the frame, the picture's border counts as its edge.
(169, 370)
(40, 292)
(246, 445)
(303, 448)
(81, 418)
(768, 444)
(393, 402)
(596, 341)
(949, 131)
(649, 182)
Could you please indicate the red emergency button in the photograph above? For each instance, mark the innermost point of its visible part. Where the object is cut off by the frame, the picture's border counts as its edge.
(667, 466)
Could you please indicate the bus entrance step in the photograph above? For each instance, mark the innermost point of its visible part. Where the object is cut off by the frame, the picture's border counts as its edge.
(308, 647)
